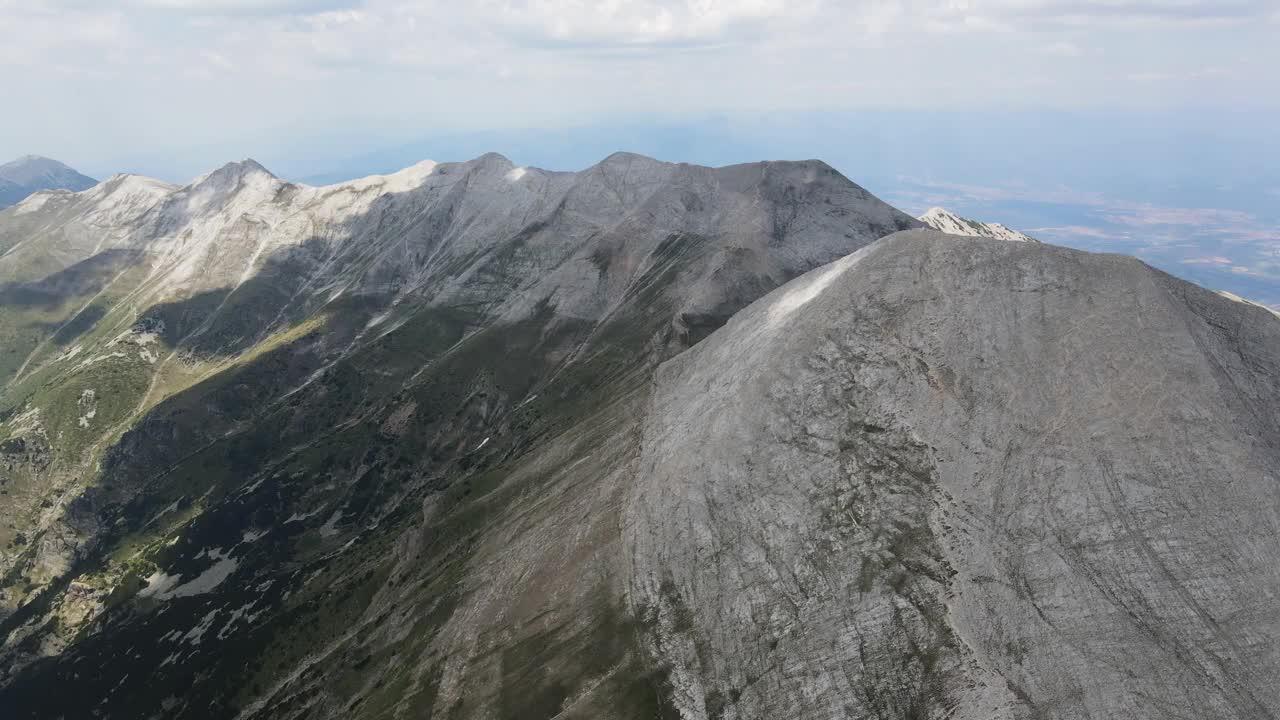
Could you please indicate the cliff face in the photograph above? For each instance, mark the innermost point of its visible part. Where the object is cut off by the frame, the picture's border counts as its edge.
(967, 478)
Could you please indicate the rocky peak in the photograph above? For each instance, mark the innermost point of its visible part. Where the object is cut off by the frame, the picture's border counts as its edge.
(33, 173)
(948, 222)
(234, 172)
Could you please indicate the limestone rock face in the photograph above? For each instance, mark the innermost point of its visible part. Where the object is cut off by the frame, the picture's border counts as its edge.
(949, 477)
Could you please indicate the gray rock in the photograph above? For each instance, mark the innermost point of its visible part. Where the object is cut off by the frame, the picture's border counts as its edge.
(964, 478)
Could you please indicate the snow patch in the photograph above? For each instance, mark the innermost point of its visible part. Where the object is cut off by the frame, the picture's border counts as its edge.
(299, 517)
(161, 585)
(948, 222)
(196, 634)
(515, 174)
(235, 617)
(330, 527)
(158, 585)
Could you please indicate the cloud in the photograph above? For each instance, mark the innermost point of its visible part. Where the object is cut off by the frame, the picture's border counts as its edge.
(1214, 261)
(236, 7)
(1146, 215)
(635, 22)
(37, 36)
(1078, 231)
(170, 69)
(1024, 14)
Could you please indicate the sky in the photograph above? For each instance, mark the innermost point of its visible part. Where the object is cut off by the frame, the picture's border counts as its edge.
(110, 82)
(1097, 122)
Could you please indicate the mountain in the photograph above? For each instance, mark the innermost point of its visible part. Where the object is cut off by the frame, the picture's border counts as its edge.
(31, 174)
(647, 440)
(948, 222)
(318, 413)
(966, 478)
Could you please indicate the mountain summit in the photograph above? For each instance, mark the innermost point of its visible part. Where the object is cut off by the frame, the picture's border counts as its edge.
(948, 222)
(33, 173)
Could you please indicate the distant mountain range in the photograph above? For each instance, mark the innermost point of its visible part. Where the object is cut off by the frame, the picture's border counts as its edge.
(33, 173)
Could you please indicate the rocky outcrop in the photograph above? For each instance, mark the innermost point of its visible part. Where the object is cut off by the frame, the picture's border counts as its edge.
(960, 478)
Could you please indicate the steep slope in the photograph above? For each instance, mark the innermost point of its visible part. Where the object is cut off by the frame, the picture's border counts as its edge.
(325, 443)
(31, 174)
(948, 477)
(948, 222)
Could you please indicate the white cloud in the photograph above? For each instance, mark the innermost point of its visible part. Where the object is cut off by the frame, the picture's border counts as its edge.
(36, 36)
(256, 7)
(1079, 13)
(1216, 260)
(234, 67)
(635, 22)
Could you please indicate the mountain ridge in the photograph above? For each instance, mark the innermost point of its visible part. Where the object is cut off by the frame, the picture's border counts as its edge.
(30, 174)
(464, 439)
(919, 407)
(479, 314)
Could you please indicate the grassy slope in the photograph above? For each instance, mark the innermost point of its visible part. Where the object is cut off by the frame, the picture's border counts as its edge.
(326, 590)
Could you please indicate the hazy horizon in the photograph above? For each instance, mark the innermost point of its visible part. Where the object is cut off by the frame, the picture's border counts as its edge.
(1141, 126)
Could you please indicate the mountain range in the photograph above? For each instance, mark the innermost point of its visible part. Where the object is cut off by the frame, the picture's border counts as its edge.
(32, 173)
(647, 440)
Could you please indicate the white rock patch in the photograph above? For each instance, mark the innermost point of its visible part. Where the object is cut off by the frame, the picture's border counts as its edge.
(811, 288)
(88, 404)
(948, 222)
